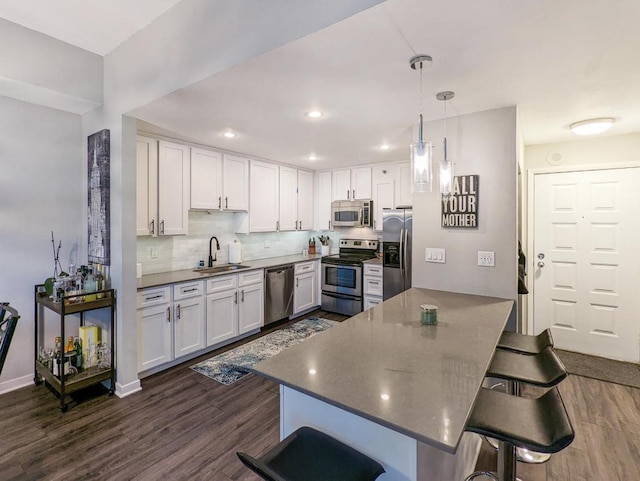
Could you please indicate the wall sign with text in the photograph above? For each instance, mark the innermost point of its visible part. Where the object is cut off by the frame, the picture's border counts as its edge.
(460, 208)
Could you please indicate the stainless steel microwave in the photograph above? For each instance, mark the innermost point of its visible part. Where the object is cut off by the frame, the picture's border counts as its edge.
(352, 213)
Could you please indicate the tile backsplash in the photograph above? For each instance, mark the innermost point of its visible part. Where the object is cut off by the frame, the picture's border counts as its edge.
(170, 253)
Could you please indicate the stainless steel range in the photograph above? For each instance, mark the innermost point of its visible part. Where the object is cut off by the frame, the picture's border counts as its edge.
(342, 276)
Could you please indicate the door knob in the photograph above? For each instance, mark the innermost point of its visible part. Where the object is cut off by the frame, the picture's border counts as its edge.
(540, 264)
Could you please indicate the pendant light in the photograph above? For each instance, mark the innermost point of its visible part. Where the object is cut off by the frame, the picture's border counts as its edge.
(421, 151)
(445, 173)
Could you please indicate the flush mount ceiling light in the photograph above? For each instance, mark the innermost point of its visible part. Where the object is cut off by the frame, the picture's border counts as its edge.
(385, 147)
(314, 114)
(421, 170)
(592, 126)
(446, 165)
(230, 135)
(313, 157)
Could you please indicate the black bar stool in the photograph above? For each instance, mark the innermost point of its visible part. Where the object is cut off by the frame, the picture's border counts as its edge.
(524, 344)
(7, 328)
(309, 455)
(540, 425)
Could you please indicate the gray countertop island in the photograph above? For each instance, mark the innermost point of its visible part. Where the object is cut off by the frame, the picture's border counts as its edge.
(383, 365)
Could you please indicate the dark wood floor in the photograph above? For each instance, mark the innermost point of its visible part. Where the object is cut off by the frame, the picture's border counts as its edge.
(184, 426)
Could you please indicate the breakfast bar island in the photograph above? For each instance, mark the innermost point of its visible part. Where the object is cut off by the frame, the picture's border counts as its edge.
(393, 388)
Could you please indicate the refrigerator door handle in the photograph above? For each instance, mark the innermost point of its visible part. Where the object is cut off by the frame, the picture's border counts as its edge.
(402, 253)
(404, 262)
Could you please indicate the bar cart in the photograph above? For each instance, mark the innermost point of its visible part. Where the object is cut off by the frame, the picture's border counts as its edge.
(62, 382)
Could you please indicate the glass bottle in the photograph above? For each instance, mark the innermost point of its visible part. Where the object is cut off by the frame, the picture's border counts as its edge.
(90, 285)
(57, 356)
(78, 349)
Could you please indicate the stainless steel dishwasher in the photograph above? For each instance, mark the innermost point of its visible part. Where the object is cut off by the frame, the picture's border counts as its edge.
(278, 297)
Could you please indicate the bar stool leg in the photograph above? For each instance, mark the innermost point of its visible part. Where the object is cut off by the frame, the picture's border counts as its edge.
(506, 461)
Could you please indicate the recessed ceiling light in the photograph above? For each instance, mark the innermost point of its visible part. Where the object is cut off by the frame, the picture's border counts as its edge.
(314, 114)
(592, 126)
(385, 147)
(313, 157)
(229, 134)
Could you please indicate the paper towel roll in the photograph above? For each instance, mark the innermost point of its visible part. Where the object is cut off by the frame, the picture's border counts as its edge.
(235, 256)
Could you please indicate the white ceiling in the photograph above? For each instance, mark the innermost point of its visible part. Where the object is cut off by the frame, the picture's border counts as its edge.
(95, 25)
(559, 62)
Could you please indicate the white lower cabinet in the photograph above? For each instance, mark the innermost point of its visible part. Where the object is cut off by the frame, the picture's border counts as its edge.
(372, 284)
(170, 326)
(235, 305)
(305, 289)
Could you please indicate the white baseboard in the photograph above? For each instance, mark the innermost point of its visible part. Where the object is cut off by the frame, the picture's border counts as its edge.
(124, 390)
(13, 384)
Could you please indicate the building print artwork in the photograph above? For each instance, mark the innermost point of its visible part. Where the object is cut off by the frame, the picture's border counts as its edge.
(460, 208)
(98, 216)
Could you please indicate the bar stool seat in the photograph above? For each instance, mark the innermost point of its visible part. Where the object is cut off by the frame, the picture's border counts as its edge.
(309, 455)
(524, 344)
(540, 425)
(544, 369)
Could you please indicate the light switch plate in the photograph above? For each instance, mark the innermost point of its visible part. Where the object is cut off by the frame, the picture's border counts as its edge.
(486, 258)
(154, 252)
(435, 255)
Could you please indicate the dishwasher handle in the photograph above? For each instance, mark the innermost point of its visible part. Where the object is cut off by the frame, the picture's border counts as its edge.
(279, 269)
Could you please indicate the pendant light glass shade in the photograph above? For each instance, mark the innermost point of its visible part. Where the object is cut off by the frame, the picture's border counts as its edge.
(445, 174)
(421, 169)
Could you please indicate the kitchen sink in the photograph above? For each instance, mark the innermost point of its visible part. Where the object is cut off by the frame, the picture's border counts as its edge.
(221, 268)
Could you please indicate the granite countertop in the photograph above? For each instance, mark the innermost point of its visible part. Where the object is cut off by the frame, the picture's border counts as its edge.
(375, 260)
(384, 365)
(163, 278)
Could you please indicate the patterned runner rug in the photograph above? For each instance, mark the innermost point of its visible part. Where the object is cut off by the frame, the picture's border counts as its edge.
(228, 367)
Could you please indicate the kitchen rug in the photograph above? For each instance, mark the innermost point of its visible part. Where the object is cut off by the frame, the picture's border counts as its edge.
(228, 367)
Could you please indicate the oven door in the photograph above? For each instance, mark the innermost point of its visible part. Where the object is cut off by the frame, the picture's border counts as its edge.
(342, 279)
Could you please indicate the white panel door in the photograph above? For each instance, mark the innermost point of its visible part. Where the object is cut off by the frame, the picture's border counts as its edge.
(147, 186)
(341, 184)
(222, 316)
(305, 200)
(263, 201)
(361, 183)
(188, 326)
(173, 188)
(206, 179)
(235, 184)
(250, 308)
(154, 336)
(323, 200)
(587, 268)
(288, 201)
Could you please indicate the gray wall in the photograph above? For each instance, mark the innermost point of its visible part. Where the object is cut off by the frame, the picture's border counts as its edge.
(41, 189)
(483, 143)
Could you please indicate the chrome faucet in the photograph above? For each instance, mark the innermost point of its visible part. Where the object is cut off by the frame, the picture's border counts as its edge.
(211, 257)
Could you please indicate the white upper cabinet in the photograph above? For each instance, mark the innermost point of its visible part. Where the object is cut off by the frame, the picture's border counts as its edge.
(235, 184)
(296, 199)
(323, 201)
(403, 192)
(384, 182)
(288, 212)
(206, 179)
(305, 200)
(264, 197)
(173, 188)
(147, 186)
(351, 184)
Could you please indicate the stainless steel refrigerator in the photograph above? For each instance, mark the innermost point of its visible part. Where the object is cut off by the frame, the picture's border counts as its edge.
(397, 225)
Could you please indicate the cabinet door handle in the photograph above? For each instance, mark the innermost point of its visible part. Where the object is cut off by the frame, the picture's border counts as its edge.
(162, 227)
(354, 194)
(329, 224)
(374, 223)
(300, 225)
(242, 295)
(296, 225)
(235, 298)
(277, 226)
(150, 298)
(375, 283)
(193, 289)
(226, 202)
(297, 281)
(348, 194)
(168, 314)
(178, 311)
(153, 227)
(220, 202)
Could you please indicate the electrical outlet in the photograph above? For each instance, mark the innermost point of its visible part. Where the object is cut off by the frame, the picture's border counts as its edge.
(154, 252)
(435, 255)
(486, 258)
(267, 244)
